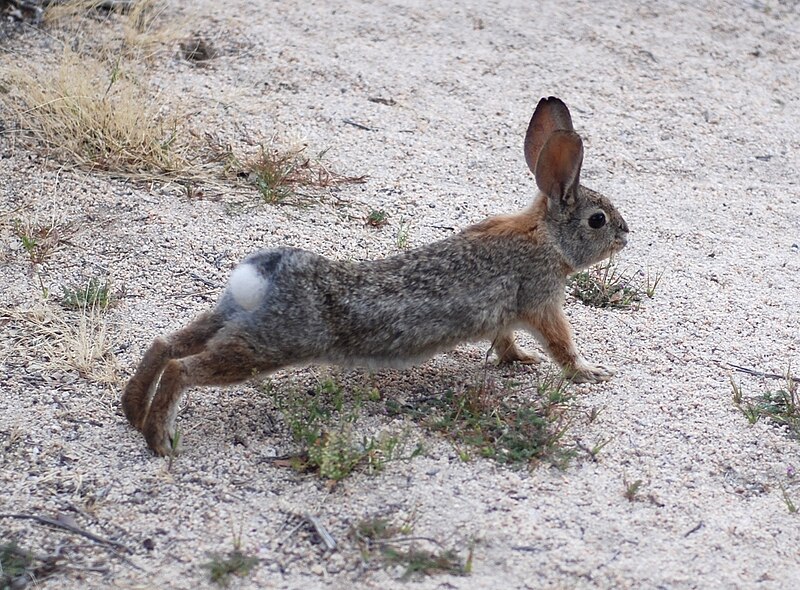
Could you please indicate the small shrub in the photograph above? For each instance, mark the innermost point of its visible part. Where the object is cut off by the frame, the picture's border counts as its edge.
(604, 285)
(322, 422)
(632, 489)
(379, 540)
(377, 218)
(16, 566)
(94, 294)
(481, 417)
(781, 406)
(234, 563)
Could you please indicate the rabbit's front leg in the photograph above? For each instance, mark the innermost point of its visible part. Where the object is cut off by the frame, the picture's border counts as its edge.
(553, 330)
(507, 351)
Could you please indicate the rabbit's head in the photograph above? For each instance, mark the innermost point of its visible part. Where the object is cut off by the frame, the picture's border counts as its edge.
(584, 225)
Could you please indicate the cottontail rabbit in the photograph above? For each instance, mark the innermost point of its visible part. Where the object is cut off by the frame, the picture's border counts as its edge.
(287, 306)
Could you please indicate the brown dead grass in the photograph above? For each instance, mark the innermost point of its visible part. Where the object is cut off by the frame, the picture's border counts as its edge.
(55, 339)
(99, 116)
(138, 28)
(94, 106)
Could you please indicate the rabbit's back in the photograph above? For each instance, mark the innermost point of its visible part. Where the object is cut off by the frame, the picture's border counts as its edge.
(393, 311)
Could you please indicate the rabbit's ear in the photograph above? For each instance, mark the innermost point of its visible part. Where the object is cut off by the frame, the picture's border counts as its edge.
(550, 115)
(558, 168)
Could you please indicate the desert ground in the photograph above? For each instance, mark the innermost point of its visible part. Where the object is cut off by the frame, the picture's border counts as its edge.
(412, 115)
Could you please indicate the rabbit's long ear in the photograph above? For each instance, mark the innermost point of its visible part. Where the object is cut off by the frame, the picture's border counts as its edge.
(551, 114)
(558, 168)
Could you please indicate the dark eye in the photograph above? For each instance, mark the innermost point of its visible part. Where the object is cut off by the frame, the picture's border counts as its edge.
(597, 220)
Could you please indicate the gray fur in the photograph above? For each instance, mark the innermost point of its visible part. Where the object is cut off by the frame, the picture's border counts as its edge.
(581, 245)
(394, 311)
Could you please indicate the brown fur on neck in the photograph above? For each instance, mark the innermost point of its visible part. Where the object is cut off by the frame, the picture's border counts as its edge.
(528, 224)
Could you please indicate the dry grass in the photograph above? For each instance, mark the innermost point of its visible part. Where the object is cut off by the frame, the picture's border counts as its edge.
(93, 106)
(139, 28)
(64, 340)
(279, 172)
(98, 116)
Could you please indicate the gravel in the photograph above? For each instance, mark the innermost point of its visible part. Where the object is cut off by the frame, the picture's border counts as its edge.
(689, 114)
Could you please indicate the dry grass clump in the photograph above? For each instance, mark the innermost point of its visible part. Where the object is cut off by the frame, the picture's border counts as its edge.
(93, 106)
(278, 172)
(64, 340)
(140, 28)
(97, 116)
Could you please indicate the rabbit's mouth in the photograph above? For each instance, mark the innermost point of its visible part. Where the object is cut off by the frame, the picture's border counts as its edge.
(620, 242)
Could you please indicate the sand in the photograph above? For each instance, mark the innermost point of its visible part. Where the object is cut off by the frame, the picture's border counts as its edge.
(689, 115)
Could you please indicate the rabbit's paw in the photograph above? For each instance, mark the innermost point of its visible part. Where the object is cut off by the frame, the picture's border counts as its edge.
(586, 373)
(517, 355)
(161, 438)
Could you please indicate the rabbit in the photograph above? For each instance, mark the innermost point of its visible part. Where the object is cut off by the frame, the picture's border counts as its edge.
(287, 306)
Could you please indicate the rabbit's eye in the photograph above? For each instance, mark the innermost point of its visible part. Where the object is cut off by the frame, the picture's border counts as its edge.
(597, 220)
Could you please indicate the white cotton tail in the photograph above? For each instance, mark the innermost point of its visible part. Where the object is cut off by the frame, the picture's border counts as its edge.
(247, 286)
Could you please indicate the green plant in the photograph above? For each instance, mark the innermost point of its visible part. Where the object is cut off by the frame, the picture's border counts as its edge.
(598, 446)
(632, 489)
(604, 285)
(322, 422)
(174, 448)
(790, 505)
(481, 417)
(781, 406)
(651, 283)
(378, 539)
(377, 218)
(233, 563)
(92, 294)
(16, 566)
(424, 561)
(403, 232)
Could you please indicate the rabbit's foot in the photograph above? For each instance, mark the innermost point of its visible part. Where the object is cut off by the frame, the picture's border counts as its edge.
(161, 437)
(137, 393)
(135, 402)
(507, 351)
(586, 373)
(518, 355)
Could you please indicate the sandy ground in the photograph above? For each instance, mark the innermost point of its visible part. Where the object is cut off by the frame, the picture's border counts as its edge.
(689, 116)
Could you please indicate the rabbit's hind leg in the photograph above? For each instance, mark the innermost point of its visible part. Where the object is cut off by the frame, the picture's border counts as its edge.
(186, 341)
(226, 360)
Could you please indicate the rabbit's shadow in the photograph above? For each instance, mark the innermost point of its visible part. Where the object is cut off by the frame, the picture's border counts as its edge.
(256, 410)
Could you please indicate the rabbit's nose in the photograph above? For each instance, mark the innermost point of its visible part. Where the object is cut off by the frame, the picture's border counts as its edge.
(623, 226)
